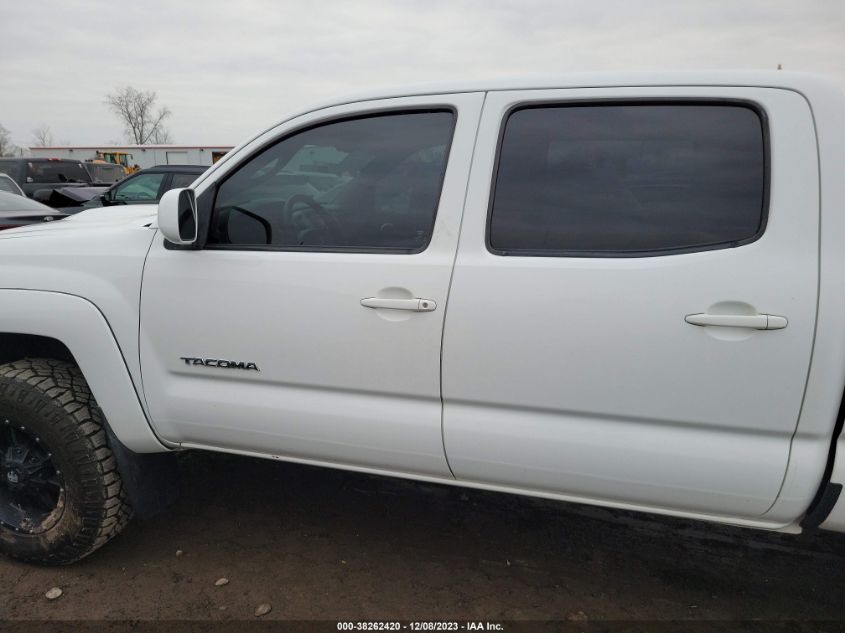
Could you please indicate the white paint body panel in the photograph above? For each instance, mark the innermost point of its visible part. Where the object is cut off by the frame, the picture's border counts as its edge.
(588, 381)
(338, 381)
(813, 437)
(639, 410)
(88, 270)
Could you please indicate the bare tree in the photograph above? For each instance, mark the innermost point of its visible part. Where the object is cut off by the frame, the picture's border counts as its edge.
(42, 136)
(142, 123)
(7, 148)
(161, 136)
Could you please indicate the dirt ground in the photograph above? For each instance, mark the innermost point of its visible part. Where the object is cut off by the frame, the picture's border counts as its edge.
(328, 545)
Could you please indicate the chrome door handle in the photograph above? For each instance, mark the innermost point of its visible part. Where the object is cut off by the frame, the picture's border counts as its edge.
(415, 305)
(751, 321)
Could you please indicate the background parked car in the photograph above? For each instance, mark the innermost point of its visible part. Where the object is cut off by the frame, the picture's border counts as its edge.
(143, 187)
(18, 210)
(45, 174)
(9, 186)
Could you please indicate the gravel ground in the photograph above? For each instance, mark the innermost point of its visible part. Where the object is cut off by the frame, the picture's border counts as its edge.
(322, 544)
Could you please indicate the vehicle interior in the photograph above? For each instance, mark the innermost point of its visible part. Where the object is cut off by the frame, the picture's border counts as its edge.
(370, 183)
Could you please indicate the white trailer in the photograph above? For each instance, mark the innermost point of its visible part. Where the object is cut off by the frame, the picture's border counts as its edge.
(142, 155)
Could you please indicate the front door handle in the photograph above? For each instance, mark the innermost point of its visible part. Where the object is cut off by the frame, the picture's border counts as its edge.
(751, 321)
(414, 305)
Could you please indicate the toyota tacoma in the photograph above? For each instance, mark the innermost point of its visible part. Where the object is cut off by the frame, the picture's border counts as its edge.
(623, 290)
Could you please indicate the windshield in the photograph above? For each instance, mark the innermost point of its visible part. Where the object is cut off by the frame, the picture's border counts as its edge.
(13, 202)
(7, 184)
(56, 171)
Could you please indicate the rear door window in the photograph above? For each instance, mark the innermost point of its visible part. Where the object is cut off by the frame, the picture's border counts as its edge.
(629, 179)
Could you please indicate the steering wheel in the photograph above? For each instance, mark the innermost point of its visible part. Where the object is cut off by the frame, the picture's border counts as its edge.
(305, 221)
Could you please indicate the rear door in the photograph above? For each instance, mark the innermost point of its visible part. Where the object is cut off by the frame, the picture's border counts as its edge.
(622, 252)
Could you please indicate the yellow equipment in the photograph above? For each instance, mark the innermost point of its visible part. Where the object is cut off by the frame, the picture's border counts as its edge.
(116, 158)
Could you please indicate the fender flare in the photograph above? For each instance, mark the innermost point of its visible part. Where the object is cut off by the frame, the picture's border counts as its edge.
(83, 329)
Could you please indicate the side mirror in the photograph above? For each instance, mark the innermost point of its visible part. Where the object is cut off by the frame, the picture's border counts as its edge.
(177, 216)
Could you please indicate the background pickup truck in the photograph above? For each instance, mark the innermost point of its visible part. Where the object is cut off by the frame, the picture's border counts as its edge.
(39, 177)
(622, 290)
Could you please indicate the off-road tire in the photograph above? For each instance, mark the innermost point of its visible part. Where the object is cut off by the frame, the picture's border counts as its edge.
(52, 399)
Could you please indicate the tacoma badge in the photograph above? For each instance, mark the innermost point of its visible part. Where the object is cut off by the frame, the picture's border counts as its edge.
(217, 362)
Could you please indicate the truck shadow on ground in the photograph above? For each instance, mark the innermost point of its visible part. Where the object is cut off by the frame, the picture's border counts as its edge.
(319, 543)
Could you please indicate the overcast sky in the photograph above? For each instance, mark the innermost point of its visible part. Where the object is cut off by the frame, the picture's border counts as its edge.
(228, 68)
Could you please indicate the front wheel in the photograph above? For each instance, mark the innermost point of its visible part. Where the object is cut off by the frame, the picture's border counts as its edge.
(61, 496)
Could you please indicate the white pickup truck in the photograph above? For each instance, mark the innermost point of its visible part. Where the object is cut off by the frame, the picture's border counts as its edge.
(625, 290)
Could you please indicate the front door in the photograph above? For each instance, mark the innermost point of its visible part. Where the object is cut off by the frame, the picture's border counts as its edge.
(309, 326)
(633, 304)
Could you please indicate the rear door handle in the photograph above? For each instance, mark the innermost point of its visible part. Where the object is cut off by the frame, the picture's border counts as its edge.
(751, 321)
(414, 305)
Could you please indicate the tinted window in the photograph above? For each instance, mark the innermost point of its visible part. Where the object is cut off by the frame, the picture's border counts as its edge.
(628, 179)
(143, 187)
(56, 171)
(180, 181)
(363, 184)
